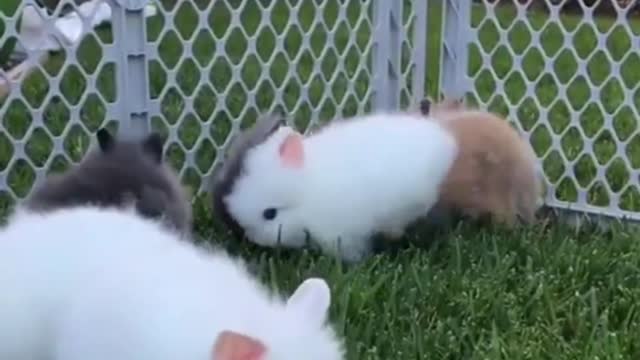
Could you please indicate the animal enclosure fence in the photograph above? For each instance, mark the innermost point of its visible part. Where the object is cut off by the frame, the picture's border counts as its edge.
(200, 71)
(566, 74)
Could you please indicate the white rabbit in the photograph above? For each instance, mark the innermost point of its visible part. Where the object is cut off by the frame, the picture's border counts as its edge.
(102, 283)
(353, 179)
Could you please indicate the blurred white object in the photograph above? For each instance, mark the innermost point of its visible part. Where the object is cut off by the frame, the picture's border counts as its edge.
(34, 34)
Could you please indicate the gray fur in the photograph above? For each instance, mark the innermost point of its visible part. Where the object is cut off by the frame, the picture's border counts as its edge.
(232, 166)
(120, 173)
(425, 106)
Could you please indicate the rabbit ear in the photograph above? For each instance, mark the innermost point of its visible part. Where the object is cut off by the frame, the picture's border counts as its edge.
(311, 300)
(105, 139)
(425, 106)
(292, 151)
(153, 145)
(234, 346)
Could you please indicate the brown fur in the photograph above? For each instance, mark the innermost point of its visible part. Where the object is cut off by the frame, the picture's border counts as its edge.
(494, 174)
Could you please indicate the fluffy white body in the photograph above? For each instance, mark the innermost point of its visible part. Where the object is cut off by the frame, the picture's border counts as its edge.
(351, 180)
(90, 283)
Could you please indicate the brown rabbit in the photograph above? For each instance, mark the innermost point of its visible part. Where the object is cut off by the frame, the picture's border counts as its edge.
(495, 172)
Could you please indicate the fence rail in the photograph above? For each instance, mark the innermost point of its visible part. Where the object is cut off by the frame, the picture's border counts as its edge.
(199, 71)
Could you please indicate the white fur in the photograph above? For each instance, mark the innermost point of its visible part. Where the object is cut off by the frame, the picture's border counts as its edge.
(90, 283)
(375, 173)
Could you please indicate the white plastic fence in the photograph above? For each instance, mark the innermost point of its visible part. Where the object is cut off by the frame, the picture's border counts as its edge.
(567, 74)
(199, 71)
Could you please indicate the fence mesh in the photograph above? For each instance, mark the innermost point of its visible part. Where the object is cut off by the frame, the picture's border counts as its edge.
(53, 102)
(214, 66)
(211, 67)
(567, 75)
(564, 73)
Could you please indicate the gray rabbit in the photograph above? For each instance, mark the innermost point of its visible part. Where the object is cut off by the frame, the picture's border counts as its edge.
(120, 173)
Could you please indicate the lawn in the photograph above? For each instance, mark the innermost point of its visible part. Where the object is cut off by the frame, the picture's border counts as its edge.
(476, 293)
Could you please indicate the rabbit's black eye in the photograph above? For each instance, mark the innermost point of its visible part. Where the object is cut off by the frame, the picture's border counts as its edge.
(269, 214)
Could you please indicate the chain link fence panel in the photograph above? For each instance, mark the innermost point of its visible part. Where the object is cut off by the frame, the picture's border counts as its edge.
(196, 71)
(52, 100)
(567, 75)
(564, 73)
(215, 66)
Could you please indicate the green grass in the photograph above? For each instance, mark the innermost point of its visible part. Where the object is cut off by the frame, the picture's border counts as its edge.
(541, 293)
(538, 294)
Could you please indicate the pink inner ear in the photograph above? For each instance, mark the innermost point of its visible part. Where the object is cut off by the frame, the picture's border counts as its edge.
(292, 151)
(234, 346)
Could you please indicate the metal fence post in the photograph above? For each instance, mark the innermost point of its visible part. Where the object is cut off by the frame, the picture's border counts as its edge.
(455, 81)
(387, 52)
(129, 32)
(420, 55)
